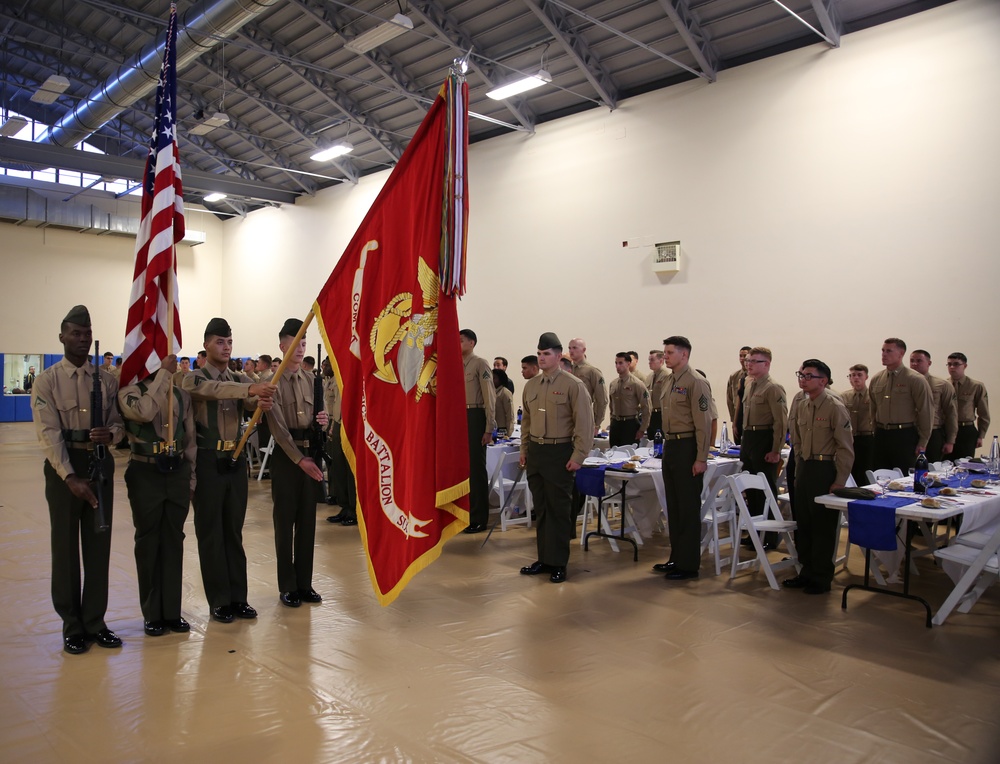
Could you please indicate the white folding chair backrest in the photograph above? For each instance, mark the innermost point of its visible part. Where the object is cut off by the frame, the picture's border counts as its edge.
(874, 475)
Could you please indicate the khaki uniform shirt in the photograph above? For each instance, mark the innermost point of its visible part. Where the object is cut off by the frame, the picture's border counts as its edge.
(859, 407)
(764, 405)
(593, 381)
(479, 390)
(292, 410)
(505, 410)
(687, 407)
(265, 376)
(225, 388)
(822, 427)
(332, 400)
(113, 370)
(557, 405)
(972, 402)
(630, 398)
(945, 406)
(60, 400)
(150, 407)
(902, 397)
(733, 392)
(655, 382)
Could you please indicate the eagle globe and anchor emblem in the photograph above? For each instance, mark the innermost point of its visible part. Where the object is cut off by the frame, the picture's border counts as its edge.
(399, 331)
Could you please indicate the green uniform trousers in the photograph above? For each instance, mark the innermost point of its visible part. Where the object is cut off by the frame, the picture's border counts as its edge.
(683, 492)
(294, 494)
(342, 487)
(551, 486)
(220, 508)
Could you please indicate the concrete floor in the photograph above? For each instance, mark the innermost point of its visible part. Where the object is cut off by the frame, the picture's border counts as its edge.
(474, 663)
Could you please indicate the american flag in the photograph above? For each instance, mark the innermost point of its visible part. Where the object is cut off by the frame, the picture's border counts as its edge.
(161, 227)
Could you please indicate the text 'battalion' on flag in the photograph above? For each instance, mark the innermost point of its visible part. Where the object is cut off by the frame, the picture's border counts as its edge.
(389, 317)
(161, 226)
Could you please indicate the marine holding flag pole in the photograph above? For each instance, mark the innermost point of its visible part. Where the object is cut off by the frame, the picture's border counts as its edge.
(389, 317)
(153, 329)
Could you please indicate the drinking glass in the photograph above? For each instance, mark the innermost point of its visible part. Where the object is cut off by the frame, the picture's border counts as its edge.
(927, 480)
(883, 483)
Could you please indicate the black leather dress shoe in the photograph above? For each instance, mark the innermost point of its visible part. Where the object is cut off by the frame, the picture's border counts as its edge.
(154, 628)
(106, 638)
(243, 610)
(681, 575)
(816, 589)
(290, 599)
(178, 624)
(475, 528)
(336, 519)
(349, 521)
(536, 568)
(796, 582)
(558, 575)
(664, 567)
(223, 614)
(76, 644)
(309, 595)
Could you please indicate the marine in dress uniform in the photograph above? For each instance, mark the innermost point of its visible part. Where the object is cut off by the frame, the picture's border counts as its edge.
(220, 398)
(858, 404)
(480, 406)
(901, 409)
(824, 453)
(973, 408)
(60, 408)
(945, 427)
(592, 378)
(557, 432)
(654, 383)
(160, 478)
(295, 478)
(630, 407)
(501, 363)
(504, 411)
(735, 388)
(765, 422)
(342, 486)
(687, 437)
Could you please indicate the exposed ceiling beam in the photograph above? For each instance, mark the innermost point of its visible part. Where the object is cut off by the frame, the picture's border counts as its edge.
(47, 155)
(829, 19)
(801, 20)
(557, 22)
(689, 28)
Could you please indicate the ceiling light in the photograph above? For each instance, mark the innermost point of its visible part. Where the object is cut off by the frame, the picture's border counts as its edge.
(51, 89)
(333, 152)
(207, 125)
(216, 197)
(13, 126)
(387, 30)
(520, 85)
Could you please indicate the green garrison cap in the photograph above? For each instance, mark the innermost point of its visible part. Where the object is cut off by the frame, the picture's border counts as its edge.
(290, 328)
(218, 327)
(549, 341)
(78, 315)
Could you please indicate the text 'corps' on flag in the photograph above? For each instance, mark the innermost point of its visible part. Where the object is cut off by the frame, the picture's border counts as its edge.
(388, 315)
(154, 282)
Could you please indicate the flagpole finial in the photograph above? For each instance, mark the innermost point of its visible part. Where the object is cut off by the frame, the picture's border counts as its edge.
(460, 66)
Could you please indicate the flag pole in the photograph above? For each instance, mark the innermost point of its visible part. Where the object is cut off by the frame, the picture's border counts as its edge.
(274, 381)
(170, 347)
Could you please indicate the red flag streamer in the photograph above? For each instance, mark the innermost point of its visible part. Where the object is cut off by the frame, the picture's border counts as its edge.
(160, 228)
(392, 334)
(456, 201)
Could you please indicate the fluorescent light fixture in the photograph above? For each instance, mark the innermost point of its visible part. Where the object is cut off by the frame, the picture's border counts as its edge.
(51, 89)
(216, 197)
(520, 85)
(387, 30)
(207, 125)
(333, 152)
(13, 126)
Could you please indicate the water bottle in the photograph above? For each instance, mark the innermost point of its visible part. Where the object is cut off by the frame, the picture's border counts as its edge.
(919, 470)
(519, 415)
(994, 460)
(494, 434)
(724, 442)
(501, 433)
(658, 444)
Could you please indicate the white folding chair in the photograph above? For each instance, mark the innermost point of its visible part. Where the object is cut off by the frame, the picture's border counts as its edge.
(265, 455)
(505, 486)
(769, 521)
(982, 569)
(718, 508)
(253, 452)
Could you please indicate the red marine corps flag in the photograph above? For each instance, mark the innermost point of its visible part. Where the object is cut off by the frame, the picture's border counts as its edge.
(152, 306)
(388, 315)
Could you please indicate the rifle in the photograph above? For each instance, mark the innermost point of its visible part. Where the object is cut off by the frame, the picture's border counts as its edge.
(317, 441)
(96, 475)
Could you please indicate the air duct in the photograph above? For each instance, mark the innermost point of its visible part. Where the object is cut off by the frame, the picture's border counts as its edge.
(201, 28)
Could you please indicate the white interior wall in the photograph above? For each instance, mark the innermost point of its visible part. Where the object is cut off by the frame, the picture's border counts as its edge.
(825, 199)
